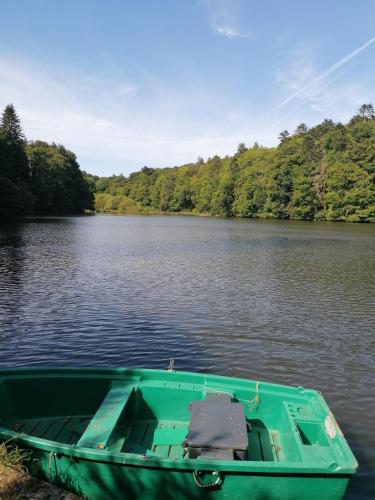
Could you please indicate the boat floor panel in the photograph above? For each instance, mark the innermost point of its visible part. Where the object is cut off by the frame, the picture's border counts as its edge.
(66, 430)
(165, 438)
(162, 438)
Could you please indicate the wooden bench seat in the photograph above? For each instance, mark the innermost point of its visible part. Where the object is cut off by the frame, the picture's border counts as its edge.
(103, 423)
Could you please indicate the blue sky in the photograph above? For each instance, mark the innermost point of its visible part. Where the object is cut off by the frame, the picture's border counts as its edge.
(131, 83)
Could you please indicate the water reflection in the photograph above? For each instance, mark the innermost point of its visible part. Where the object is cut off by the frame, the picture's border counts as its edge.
(288, 302)
(11, 263)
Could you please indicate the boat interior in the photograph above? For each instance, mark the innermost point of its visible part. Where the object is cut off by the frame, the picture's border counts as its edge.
(153, 417)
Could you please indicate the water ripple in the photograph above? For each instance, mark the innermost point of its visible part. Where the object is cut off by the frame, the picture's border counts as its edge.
(287, 302)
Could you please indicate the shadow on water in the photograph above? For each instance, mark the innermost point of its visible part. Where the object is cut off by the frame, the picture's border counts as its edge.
(50, 219)
(362, 485)
(12, 258)
(11, 236)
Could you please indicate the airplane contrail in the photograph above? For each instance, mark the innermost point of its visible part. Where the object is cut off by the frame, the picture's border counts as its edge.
(327, 72)
(315, 93)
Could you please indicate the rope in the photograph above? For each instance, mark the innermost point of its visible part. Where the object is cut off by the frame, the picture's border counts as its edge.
(253, 403)
(49, 465)
(212, 484)
(51, 454)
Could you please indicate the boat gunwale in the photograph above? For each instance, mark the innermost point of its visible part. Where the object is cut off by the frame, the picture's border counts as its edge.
(137, 373)
(346, 466)
(124, 458)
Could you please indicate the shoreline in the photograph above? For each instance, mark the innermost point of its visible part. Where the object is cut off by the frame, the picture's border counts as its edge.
(16, 483)
(229, 217)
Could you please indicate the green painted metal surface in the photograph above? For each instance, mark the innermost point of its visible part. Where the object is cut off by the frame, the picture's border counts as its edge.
(119, 434)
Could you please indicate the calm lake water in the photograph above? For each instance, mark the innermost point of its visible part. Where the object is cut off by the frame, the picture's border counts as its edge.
(287, 302)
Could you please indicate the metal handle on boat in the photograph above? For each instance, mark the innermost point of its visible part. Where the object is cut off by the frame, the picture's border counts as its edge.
(197, 475)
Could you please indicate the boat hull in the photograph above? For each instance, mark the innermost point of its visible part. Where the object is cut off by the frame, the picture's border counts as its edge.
(97, 480)
(108, 434)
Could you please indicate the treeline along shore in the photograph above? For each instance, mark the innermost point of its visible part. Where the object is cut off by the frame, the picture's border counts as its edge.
(326, 172)
(37, 178)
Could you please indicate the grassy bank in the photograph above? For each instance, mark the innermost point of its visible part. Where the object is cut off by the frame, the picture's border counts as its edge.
(17, 484)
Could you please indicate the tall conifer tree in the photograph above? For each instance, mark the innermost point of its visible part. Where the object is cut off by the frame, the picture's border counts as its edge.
(10, 126)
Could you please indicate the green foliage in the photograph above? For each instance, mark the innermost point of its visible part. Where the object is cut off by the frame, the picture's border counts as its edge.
(241, 148)
(15, 196)
(57, 183)
(10, 126)
(350, 193)
(326, 172)
(13, 159)
(301, 129)
(283, 136)
(39, 178)
(118, 204)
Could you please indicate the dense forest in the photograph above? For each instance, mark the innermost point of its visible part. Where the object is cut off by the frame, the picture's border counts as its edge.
(36, 177)
(326, 172)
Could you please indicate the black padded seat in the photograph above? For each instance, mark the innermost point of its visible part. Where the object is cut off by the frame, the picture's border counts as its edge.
(217, 429)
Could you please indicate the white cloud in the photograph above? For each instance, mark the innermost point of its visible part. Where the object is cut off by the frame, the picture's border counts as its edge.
(119, 126)
(230, 32)
(223, 18)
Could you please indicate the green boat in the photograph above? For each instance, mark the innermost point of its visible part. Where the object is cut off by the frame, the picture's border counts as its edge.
(124, 433)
